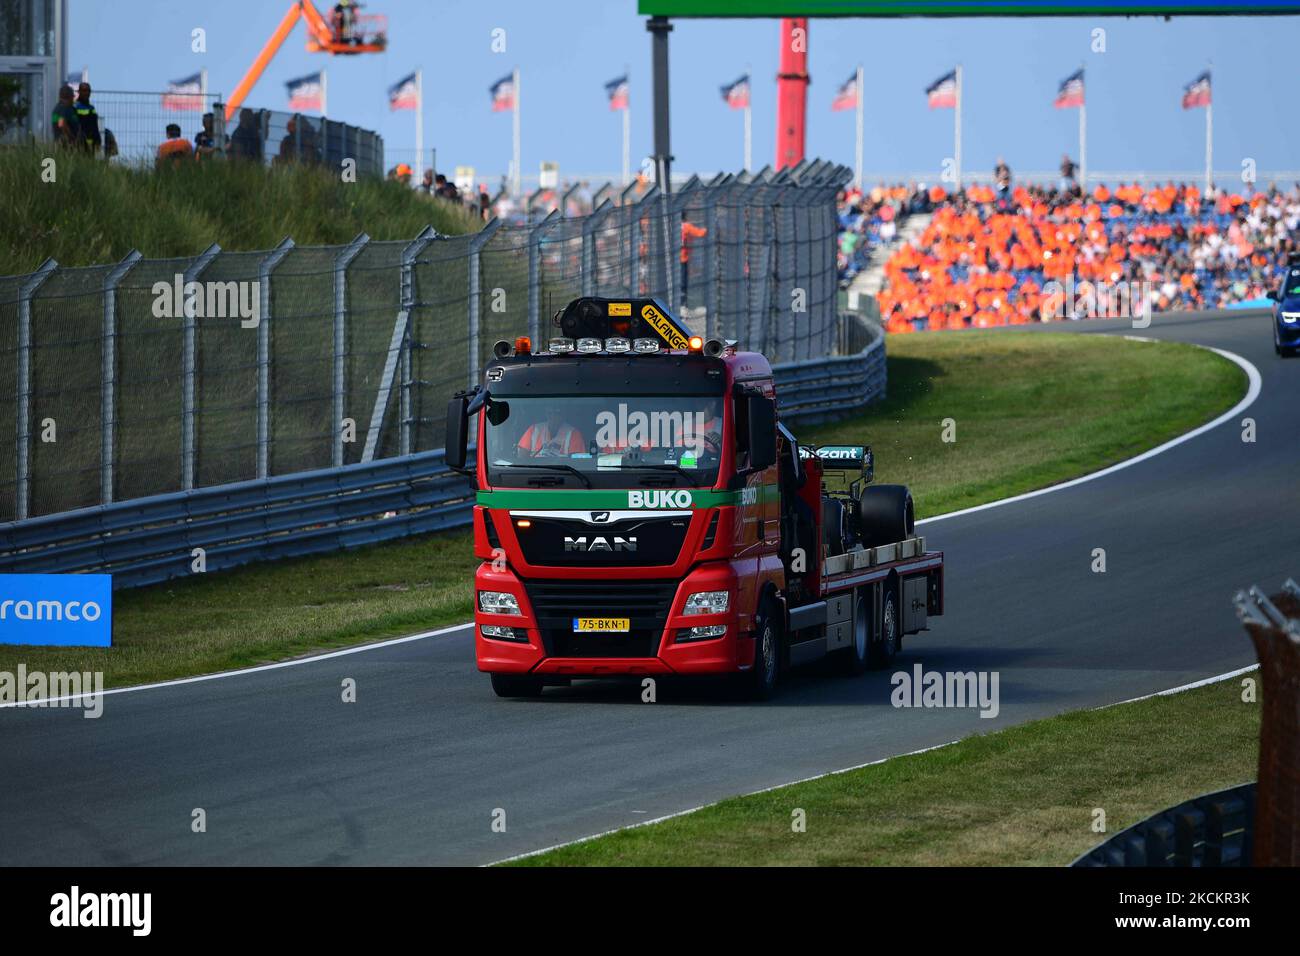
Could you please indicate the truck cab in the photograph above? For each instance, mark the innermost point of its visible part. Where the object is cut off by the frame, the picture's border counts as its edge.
(640, 509)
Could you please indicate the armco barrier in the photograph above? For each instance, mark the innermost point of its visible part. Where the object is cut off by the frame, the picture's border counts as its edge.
(148, 540)
(1216, 829)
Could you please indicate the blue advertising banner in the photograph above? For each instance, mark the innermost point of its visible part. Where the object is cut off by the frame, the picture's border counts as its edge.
(65, 610)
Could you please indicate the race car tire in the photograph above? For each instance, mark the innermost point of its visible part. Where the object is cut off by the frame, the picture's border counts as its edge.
(885, 514)
(834, 532)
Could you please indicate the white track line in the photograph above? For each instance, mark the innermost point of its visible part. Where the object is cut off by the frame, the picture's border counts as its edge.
(360, 648)
(870, 763)
(1251, 394)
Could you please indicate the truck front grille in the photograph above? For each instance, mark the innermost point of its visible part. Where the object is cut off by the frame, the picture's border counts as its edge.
(644, 603)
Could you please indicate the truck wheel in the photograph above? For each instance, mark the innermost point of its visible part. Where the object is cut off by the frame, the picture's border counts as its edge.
(760, 681)
(515, 685)
(885, 514)
(857, 656)
(886, 643)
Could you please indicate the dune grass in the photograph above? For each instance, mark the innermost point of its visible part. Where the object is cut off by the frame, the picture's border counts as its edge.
(95, 212)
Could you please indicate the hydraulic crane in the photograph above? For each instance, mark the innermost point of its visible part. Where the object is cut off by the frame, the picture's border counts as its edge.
(346, 32)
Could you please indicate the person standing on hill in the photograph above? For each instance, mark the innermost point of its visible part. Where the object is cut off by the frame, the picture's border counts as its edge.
(205, 144)
(88, 120)
(175, 149)
(64, 123)
(690, 232)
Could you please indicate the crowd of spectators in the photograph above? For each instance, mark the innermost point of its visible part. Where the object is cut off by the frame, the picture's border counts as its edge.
(871, 218)
(989, 253)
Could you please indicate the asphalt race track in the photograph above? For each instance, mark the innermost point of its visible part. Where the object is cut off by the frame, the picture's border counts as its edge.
(412, 772)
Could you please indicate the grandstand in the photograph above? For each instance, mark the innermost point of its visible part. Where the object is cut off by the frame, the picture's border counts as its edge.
(988, 257)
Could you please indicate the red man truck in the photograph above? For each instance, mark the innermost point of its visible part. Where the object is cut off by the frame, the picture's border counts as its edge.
(642, 510)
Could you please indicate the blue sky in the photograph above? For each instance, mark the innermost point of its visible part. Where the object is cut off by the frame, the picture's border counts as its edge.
(566, 50)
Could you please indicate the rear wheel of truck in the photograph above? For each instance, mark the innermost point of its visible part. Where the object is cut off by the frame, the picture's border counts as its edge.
(516, 685)
(856, 658)
(760, 682)
(887, 640)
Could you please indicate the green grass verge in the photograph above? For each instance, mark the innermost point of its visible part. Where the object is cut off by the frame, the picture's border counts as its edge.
(95, 212)
(1024, 796)
(1031, 410)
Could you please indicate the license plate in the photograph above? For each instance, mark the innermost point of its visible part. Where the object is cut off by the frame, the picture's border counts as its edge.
(611, 624)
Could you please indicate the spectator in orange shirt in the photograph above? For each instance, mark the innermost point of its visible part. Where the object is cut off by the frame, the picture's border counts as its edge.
(689, 231)
(175, 149)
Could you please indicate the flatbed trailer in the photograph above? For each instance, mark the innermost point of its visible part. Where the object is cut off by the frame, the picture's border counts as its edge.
(854, 614)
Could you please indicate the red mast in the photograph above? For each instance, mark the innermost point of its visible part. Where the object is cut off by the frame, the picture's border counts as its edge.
(792, 92)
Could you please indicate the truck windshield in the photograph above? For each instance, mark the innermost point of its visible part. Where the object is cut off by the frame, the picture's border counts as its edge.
(609, 442)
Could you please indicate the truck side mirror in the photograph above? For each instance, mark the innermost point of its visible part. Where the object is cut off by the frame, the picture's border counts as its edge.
(1271, 294)
(762, 432)
(457, 432)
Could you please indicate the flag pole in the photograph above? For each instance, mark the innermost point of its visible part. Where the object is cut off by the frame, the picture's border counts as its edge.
(419, 126)
(324, 95)
(1209, 144)
(517, 184)
(627, 129)
(857, 149)
(749, 138)
(203, 89)
(1083, 147)
(749, 135)
(956, 158)
(1083, 137)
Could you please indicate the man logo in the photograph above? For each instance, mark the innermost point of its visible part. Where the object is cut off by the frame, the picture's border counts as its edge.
(581, 543)
(599, 516)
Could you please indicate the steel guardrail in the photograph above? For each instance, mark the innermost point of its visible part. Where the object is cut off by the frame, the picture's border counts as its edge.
(153, 539)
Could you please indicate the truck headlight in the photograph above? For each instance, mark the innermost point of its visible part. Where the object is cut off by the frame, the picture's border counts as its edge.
(704, 633)
(498, 602)
(707, 602)
(499, 633)
(1290, 317)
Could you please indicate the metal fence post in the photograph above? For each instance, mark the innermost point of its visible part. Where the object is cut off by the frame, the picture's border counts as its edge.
(676, 243)
(409, 256)
(589, 264)
(189, 365)
(108, 375)
(341, 263)
(268, 264)
(475, 323)
(710, 277)
(535, 272)
(630, 229)
(564, 199)
(24, 487)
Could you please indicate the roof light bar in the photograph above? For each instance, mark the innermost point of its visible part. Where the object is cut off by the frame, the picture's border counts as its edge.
(617, 343)
(645, 345)
(561, 345)
(586, 344)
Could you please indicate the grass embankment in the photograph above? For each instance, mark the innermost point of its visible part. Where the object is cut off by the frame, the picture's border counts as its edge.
(1024, 796)
(96, 212)
(1031, 410)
